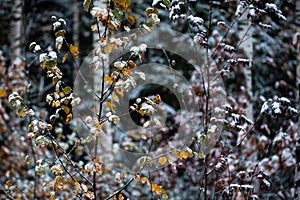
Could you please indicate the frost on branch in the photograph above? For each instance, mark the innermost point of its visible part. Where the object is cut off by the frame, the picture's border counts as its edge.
(280, 106)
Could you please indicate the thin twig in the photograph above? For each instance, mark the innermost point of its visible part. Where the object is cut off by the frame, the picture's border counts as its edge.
(120, 190)
(225, 35)
(6, 194)
(35, 173)
(66, 156)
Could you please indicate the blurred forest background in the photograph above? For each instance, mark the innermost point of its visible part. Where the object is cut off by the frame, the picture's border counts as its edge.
(263, 167)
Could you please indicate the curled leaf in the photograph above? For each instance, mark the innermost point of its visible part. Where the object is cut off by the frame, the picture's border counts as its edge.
(65, 57)
(86, 5)
(130, 19)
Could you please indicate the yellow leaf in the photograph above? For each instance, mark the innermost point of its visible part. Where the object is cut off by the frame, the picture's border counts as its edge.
(136, 177)
(133, 36)
(109, 48)
(144, 180)
(94, 28)
(122, 4)
(120, 197)
(3, 93)
(55, 79)
(126, 71)
(55, 103)
(147, 27)
(86, 5)
(115, 97)
(102, 39)
(176, 152)
(120, 92)
(110, 106)
(156, 189)
(150, 11)
(74, 50)
(183, 155)
(108, 79)
(162, 160)
(56, 182)
(52, 197)
(66, 109)
(131, 64)
(130, 19)
(98, 126)
(69, 117)
(21, 112)
(77, 184)
(65, 57)
(156, 99)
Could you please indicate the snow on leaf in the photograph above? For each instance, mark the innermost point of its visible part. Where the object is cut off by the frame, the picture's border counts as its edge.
(32, 45)
(86, 5)
(49, 99)
(61, 20)
(140, 75)
(43, 57)
(195, 21)
(56, 25)
(272, 7)
(285, 100)
(148, 27)
(95, 11)
(155, 2)
(155, 18)
(212, 129)
(266, 182)
(42, 141)
(114, 119)
(59, 42)
(264, 108)
(37, 48)
(119, 64)
(292, 111)
(276, 108)
(52, 55)
(239, 10)
(167, 3)
(143, 47)
(265, 26)
(288, 158)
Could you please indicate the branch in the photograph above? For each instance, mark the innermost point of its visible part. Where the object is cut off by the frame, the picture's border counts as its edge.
(120, 190)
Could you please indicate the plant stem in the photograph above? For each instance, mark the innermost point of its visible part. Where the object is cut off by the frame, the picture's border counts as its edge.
(205, 179)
